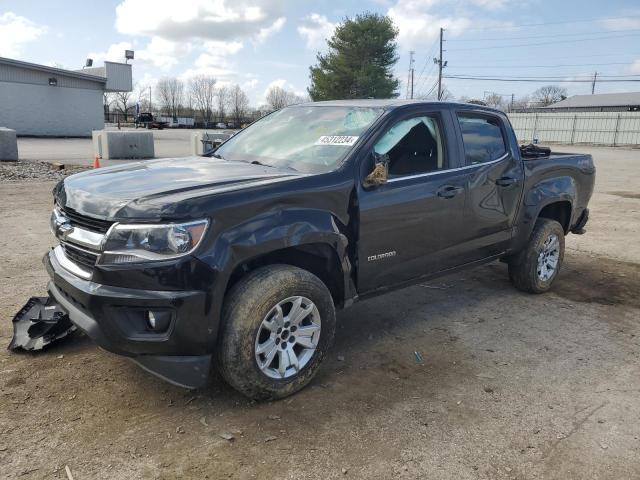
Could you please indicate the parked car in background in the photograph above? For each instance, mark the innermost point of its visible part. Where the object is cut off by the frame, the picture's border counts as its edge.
(178, 122)
(241, 260)
(221, 125)
(146, 120)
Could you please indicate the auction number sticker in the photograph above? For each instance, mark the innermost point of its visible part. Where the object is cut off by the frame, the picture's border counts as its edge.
(344, 140)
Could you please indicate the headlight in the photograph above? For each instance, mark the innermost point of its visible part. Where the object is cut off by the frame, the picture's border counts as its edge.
(143, 243)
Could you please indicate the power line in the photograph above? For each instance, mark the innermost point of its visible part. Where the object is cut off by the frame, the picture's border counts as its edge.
(599, 32)
(552, 77)
(566, 22)
(492, 47)
(427, 60)
(571, 57)
(539, 80)
(543, 66)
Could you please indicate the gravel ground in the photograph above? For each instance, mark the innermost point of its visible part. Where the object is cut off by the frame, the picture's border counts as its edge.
(511, 386)
(34, 170)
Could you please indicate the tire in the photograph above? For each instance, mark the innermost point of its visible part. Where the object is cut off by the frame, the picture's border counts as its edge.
(527, 269)
(250, 307)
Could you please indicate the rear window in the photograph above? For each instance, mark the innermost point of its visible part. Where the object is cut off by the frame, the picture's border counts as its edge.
(482, 137)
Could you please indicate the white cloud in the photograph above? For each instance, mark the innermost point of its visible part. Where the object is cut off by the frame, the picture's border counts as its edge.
(189, 19)
(159, 53)
(316, 29)
(219, 48)
(635, 67)
(266, 32)
(163, 53)
(630, 23)
(490, 4)
(15, 32)
(251, 84)
(417, 26)
(115, 53)
(280, 82)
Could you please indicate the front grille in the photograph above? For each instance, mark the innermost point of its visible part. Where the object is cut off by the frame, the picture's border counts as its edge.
(83, 221)
(80, 257)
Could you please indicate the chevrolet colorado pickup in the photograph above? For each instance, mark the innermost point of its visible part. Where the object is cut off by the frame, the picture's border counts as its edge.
(240, 260)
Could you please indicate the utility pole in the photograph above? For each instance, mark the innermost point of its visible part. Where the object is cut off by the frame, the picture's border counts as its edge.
(411, 70)
(511, 106)
(593, 84)
(440, 64)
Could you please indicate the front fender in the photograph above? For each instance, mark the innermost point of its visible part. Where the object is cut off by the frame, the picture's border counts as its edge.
(277, 230)
(272, 231)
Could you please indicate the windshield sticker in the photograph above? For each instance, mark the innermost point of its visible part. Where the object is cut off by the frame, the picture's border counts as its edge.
(344, 140)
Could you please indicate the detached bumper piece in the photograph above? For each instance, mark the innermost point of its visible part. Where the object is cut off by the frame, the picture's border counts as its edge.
(40, 322)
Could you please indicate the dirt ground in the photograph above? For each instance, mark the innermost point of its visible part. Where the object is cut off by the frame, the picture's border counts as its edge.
(512, 386)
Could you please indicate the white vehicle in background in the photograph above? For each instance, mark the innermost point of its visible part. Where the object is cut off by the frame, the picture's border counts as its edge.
(221, 125)
(178, 122)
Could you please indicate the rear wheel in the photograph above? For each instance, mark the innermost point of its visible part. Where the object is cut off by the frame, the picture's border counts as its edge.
(278, 323)
(535, 268)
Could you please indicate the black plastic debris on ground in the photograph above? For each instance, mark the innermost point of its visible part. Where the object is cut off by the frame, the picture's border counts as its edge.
(40, 322)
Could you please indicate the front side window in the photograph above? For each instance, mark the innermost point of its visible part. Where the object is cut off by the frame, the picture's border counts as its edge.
(413, 146)
(309, 139)
(482, 138)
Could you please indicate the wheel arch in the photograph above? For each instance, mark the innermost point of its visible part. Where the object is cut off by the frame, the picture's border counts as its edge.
(319, 258)
(559, 211)
(552, 198)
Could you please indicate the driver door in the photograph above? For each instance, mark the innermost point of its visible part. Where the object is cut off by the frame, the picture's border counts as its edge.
(410, 224)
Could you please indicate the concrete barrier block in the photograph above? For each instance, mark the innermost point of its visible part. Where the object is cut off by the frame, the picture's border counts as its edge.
(111, 145)
(8, 145)
(200, 139)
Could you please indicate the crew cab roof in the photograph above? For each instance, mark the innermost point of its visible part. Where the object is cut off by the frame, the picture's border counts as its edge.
(391, 103)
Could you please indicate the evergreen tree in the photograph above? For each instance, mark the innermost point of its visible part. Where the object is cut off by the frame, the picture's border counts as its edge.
(362, 53)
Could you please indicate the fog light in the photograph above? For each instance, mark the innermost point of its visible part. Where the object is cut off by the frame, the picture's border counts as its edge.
(158, 320)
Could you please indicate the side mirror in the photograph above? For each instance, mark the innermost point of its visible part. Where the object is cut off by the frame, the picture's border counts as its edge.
(380, 172)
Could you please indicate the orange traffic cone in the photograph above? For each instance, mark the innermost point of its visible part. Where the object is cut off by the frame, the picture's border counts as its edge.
(96, 162)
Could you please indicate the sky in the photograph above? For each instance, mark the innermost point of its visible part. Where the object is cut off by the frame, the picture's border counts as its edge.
(257, 44)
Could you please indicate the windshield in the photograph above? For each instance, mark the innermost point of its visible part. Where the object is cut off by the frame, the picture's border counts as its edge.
(309, 139)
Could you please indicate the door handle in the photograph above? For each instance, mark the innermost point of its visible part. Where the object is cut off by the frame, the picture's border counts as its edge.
(505, 181)
(449, 191)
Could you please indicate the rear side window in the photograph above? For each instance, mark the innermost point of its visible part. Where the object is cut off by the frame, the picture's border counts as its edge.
(482, 137)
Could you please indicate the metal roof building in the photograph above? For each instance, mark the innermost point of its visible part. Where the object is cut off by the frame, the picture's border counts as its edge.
(603, 102)
(46, 101)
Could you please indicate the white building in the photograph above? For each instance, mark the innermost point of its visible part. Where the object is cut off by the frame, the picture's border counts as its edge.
(46, 101)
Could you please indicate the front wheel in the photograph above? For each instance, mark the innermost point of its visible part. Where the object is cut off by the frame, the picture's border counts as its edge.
(278, 323)
(535, 268)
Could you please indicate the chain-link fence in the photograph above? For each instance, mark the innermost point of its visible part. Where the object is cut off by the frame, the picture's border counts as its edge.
(596, 128)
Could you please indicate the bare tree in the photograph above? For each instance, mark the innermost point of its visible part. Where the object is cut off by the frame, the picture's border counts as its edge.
(520, 103)
(124, 102)
(107, 100)
(202, 89)
(549, 94)
(238, 104)
(278, 97)
(143, 97)
(170, 91)
(494, 100)
(222, 97)
(445, 94)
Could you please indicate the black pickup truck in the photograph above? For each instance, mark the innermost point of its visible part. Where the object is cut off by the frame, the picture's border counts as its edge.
(241, 259)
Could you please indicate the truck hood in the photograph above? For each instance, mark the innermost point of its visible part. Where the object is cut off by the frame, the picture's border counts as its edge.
(104, 192)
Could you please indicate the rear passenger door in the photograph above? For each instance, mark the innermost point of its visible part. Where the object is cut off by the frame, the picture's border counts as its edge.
(494, 178)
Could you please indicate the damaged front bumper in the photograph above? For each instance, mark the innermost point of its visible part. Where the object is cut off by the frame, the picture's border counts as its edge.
(40, 322)
(115, 318)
